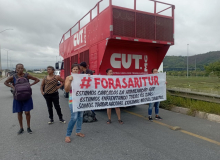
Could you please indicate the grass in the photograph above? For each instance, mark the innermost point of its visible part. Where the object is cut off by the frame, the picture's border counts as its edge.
(38, 75)
(193, 105)
(197, 84)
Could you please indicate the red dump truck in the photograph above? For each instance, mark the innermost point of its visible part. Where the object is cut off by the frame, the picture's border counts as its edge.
(128, 40)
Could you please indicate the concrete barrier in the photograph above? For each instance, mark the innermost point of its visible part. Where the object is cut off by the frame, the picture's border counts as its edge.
(198, 114)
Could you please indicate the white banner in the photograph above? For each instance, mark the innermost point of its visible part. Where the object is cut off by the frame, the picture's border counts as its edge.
(99, 92)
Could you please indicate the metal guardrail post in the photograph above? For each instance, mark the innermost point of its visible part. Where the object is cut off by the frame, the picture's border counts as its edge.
(98, 8)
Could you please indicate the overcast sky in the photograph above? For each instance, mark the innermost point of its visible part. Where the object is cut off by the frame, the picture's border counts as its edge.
(38, 26)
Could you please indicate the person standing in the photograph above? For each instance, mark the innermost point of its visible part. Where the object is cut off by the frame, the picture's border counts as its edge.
(22, 95)
(109, 72)
(75, 116)
(84, 70)
(155, 104)
(49, 90)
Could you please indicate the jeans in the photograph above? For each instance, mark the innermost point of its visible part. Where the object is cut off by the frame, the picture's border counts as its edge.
(53, 99)
(151, 105)
(75, 117)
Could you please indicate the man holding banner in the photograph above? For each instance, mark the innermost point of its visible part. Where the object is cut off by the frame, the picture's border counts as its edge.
(109, 72)
(84, 70)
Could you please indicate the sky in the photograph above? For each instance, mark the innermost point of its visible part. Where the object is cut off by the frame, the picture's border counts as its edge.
(38, 26)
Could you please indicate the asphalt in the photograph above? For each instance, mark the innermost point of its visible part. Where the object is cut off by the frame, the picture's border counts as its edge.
(136, 139)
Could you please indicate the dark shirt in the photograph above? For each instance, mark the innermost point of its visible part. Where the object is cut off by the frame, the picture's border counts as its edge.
(88, 71)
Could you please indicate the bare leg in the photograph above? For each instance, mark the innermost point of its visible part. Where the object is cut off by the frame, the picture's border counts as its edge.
(118, 112)
(109, 112)
(28, 118)
(20, 118)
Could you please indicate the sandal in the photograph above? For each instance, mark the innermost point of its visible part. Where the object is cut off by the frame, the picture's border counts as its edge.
(120, 121)
(109, 121)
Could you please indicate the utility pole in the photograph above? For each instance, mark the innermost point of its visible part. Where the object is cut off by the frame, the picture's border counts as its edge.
(7, 59)
(7, 56)
(195, 64)
(10, 63)
(0, 50)
(187, 60)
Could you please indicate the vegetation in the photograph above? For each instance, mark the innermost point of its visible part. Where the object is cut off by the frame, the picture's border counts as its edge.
(213, 68)
(190, 73)
(197, 84)
(180, 62)
(193, 105)
(38, 75)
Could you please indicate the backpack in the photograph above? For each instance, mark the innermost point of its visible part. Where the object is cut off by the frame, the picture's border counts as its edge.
(23, 89)
(89, 116)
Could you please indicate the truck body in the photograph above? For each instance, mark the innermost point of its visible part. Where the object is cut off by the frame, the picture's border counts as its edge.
(129, 41)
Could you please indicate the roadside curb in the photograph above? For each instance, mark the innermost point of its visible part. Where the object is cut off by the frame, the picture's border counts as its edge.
(198, 114)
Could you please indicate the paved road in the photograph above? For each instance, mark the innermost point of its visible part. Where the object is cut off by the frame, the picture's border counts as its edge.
(137, 139)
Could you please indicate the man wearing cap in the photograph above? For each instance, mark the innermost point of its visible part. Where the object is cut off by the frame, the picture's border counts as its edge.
(84, 70)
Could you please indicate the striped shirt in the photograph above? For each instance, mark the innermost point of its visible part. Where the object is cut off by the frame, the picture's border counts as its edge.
(50, 85)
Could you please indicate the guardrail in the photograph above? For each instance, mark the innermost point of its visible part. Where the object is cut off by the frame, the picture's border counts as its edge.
(195, 95)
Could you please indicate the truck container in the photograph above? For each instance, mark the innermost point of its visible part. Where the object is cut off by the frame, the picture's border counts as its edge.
(128, 40)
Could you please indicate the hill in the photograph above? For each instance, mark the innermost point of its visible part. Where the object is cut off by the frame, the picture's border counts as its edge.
(180, 62)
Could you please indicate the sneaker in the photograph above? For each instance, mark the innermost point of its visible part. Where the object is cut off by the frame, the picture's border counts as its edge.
(150, 118)
(29, 130)
(62, 121)
(158, 117)
(20, 131)
(51, 121)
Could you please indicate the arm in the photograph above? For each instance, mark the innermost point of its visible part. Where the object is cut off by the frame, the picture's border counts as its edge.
(8, 81)
(42, 86)
(61, 80)
(33, 78)
(68, 82)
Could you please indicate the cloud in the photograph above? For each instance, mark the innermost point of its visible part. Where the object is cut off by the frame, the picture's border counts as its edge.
(39, 25)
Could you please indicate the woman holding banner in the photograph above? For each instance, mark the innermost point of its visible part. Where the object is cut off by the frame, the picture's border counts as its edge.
(109, 72)
(75, 116)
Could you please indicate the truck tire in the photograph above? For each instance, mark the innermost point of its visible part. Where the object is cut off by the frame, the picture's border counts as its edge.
(65, 94)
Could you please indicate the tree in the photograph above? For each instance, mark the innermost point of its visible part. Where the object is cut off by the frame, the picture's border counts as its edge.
(213, 68)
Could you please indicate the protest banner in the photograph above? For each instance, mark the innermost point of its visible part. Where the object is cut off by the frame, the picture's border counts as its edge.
(100, 92)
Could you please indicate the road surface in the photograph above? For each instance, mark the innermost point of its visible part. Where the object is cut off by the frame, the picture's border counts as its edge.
(136, 139)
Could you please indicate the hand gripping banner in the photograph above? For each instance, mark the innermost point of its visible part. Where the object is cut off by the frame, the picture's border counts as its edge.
(100, 92)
